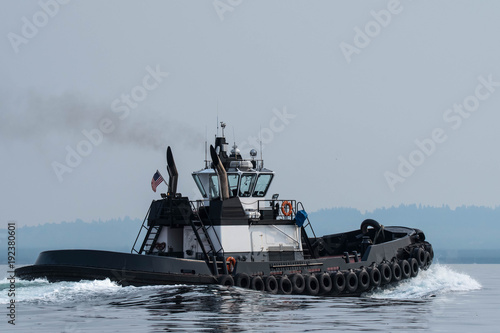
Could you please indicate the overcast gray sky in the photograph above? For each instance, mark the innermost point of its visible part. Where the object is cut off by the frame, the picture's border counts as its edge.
(340, 92)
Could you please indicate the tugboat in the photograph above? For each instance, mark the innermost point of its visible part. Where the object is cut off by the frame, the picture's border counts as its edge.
(236, 236)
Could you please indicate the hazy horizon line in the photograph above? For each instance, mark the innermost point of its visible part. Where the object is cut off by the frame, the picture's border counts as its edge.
(362, 212)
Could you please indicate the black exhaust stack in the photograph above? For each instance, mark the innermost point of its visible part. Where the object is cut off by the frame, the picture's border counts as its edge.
(172, 172)
(221, 172)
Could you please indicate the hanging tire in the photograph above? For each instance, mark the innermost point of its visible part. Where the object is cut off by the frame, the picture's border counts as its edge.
(375, 277)
(427, 261)
(419, 254)
(386, 273)
(226, 280)
(285, 285)
(325, 283)
(271, 284)
(242, 280)
(257, 283)
(312, 285)
(298, 283)
(396, 272)
(338, 282)
(414, 267)
(405, 269)
(369, 223)
(428, 248)
(351, 280)
(363, 279)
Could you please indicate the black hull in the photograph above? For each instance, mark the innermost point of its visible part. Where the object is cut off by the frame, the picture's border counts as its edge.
(140, 270)
(123, 268)
(54, 273)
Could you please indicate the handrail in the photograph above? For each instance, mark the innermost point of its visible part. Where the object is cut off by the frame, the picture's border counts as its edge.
(202, 204)
(275, 227)
(307, 218)
(280, 202)
(140, 230)
(305, 237)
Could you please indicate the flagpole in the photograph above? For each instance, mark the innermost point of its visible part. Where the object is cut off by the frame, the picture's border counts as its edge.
(162, 178)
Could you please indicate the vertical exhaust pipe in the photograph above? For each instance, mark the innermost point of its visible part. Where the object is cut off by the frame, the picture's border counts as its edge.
(172, 172)
(221, 172)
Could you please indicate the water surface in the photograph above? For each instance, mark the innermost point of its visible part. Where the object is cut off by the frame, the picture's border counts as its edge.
(452, 298)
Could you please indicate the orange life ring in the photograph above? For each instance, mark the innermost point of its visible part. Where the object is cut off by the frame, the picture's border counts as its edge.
(290, 208)
(230, 263)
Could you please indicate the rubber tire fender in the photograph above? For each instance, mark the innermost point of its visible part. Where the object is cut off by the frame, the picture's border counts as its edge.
(338, 282)
(369, 223)
(375, 277)
(385, 273)
(351, 281)
(405, 269)
(414, 267)
(325, 282)
(298, 283)
(271, 284)
(312, 285)
(428, 248)
(242, 280)
(226, 280)
(285, 285)
(396, 272)
(257, 283)
(427, 261)
(419, 254)
(363, 279)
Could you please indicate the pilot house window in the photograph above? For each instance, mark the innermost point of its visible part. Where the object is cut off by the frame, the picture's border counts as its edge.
(214, 186)
(232, 180)
(246, 184)
(262, 185)
(200, 185)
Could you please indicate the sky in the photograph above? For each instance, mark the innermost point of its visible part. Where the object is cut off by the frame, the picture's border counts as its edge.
(364, 104)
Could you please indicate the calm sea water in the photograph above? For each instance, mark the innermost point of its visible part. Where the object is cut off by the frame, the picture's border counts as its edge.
(452, 298)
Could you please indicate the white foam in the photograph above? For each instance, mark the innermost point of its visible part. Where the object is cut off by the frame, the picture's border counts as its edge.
(42, 291)
(438, 279)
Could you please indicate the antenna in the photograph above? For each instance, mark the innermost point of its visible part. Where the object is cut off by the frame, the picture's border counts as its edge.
(260, 141)
(206, 160)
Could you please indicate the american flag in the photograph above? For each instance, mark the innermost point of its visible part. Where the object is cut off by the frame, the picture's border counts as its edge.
(157, 179)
